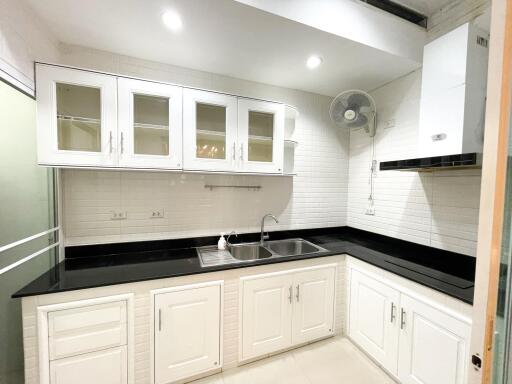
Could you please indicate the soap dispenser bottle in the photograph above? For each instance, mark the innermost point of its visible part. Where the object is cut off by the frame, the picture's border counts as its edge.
(221, 244)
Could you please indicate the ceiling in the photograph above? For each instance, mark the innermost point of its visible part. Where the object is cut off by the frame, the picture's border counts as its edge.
(224, 37)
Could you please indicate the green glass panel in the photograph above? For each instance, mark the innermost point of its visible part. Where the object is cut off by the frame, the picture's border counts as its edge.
(27, 208)
(502, 370)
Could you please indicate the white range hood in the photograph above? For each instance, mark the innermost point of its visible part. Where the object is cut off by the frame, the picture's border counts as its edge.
(453, 91)
(452, 106)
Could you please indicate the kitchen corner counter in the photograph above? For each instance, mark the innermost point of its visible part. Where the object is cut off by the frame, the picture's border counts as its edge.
(103, 265)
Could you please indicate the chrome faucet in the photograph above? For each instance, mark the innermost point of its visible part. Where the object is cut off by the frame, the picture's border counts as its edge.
(263, 236)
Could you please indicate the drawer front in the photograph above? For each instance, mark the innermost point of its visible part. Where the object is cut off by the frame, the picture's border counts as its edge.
(86, 329)
(104, 367)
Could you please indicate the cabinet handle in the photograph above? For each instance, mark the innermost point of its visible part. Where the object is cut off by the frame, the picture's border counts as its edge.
(242, 152)
(298, 293)
(290, 289)
(110, 142)
(402, 318)
(159, 320)
(122, 143)
(393, 314)
(234, 151)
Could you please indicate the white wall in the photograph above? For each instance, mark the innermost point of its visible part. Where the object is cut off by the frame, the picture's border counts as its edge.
(439, 208)
(314, 198)
(23, 39)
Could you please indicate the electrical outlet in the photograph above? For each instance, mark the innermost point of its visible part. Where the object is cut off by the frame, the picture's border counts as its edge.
(118, 215)
(370, 209)
(157, 214)
(390, 124)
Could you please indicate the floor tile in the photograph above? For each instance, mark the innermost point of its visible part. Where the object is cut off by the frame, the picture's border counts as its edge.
(334, 360)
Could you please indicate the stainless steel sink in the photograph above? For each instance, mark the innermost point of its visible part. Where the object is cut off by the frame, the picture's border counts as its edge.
(247, 252)
(293, 247)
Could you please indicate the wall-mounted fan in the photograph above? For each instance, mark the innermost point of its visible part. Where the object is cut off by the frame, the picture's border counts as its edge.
(354, 109)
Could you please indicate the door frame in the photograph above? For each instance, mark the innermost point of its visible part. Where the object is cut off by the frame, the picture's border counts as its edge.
(492, 199)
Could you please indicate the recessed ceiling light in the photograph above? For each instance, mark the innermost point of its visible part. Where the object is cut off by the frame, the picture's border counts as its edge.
(172, 20)
(313, 61)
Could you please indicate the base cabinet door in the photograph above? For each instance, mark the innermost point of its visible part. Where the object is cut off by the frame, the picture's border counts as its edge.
(266, 315)
(434, 346)
(313, 312)
(373, 318)
(103, 367)
(187, 333)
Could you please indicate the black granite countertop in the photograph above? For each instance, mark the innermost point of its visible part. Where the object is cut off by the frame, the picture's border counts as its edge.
(101, 265)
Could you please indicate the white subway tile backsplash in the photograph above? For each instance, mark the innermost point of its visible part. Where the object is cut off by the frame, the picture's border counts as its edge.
(438, 208)
(331, 189)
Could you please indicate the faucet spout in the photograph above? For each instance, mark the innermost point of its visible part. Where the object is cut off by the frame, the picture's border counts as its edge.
(263, 236)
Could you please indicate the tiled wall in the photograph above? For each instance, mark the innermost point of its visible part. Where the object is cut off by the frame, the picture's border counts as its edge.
(314, 198)
(439, 208)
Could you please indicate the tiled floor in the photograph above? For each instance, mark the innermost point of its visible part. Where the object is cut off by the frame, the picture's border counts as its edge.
(335, 361)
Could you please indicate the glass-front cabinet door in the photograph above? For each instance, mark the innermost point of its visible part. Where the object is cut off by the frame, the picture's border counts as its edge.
(260, 136)
(209, 131)
(150, 121)
(76, 117)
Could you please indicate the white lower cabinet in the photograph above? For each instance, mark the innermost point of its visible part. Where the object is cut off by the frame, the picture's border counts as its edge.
(313, 311)
(373, 320)
(87, 341)
(434, 346)
(187, 331)
(416, 340)
(283, 309)
(266, 315)
(104, 367)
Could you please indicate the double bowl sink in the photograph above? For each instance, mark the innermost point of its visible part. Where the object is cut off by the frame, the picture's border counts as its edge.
(247, 252)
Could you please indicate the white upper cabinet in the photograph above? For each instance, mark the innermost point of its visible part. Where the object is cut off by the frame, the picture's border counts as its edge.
(89, 119)
(150, 124)
(260, 136)
(76, 117)
(209, 131)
